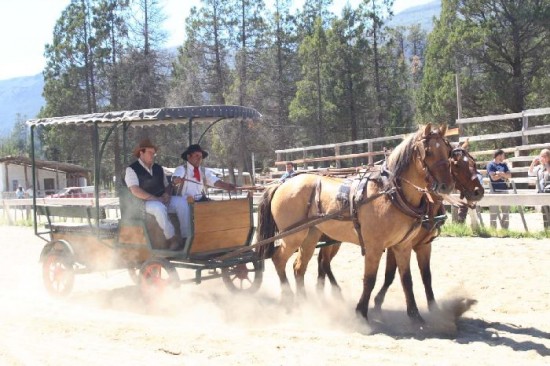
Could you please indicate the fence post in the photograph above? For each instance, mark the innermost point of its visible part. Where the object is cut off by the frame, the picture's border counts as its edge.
(524, 127)
(370, 148)
(336, 154)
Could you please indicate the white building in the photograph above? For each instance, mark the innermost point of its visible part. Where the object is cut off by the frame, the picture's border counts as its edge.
(51, 176)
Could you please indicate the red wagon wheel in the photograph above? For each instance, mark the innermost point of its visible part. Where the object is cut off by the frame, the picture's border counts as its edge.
(58, 274)
(244, 277)
(156, 276)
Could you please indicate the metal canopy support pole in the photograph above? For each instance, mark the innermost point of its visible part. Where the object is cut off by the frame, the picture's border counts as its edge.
(125, 127)
(96, 171)
(35, 224)
(190, 131)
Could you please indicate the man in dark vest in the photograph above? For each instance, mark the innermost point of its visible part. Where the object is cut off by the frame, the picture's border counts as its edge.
(147, 181)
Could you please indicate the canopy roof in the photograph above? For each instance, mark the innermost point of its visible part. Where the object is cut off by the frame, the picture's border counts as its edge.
(155, 116)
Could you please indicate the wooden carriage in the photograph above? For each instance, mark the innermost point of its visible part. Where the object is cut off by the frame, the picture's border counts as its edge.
(134, 241)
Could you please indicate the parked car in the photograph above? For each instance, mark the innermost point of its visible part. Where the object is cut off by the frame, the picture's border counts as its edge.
(75, 192)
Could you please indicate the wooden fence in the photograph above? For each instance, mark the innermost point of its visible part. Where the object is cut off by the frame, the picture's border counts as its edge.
(523, 193)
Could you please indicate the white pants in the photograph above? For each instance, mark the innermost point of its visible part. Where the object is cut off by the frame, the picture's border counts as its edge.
(160, 211)
(180, 206)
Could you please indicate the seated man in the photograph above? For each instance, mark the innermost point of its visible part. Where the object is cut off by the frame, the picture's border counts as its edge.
(146, 181)
(290, 172)
(190, 180)
(499, 173)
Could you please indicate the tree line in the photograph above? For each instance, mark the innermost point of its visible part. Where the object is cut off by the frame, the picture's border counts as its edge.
(315, 76)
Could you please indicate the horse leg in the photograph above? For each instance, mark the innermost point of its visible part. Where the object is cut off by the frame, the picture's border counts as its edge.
(389, 276)
(423, 254)
(321, 273)
(304, 256)
(372, 261)
(336, 290)
(280, 258)
(403, 259)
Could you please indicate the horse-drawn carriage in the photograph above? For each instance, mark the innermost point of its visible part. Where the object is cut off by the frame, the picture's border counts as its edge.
(395, 209)
(92, 242)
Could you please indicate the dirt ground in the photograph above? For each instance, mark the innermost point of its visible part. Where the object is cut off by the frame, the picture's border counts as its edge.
(104, 321)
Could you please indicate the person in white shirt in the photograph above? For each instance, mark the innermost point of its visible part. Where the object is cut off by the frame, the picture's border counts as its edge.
(540, 168)
(190, 180)
(147, 181)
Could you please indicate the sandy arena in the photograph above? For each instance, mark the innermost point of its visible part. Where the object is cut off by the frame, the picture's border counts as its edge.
(105, 322)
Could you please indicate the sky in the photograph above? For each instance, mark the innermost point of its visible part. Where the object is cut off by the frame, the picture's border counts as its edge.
(26, 26)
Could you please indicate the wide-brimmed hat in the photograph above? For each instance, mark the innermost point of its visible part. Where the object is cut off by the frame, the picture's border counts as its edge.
(143, 144)
(194, 148)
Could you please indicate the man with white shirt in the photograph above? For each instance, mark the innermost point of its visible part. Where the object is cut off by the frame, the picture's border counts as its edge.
(147, 181)
(190, 180)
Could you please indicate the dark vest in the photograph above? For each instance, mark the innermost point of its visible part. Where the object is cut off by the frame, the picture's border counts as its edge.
(151, 184)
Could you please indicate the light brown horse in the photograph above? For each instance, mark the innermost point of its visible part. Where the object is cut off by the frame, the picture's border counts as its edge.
(417, 167)
(463, 169)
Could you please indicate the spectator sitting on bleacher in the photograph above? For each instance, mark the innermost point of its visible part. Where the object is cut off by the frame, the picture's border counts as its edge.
(289, 172)
(540, 168)
(499, 172)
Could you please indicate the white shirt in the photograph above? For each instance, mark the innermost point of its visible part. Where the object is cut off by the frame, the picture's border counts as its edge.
(132, 179)
(539, 171)
(191, 186)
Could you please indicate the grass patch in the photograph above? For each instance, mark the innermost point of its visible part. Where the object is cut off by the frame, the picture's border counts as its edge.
(18, 222)
(458, 230)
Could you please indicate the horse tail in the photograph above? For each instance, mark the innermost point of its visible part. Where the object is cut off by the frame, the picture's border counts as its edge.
(266, 224)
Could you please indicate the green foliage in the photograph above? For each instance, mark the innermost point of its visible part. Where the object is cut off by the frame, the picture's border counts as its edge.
(499, 49)
(462, 230)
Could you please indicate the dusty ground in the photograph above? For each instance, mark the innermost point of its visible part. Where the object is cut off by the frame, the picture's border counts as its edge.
(104, 321)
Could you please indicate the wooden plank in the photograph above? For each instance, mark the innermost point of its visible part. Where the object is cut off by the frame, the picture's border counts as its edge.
(495, 136)
(132, 235)
(330, 158)
(222, 222)
(206, 242)
(511, 149)
(536, 112)
(514, 199)
(491, 118)
(537, 130)
(347, 143)
(206, 210)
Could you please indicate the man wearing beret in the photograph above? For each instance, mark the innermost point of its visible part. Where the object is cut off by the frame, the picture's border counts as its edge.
(190, 179)
(147, 181)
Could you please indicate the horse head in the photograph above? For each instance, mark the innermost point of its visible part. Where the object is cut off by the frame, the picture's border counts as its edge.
(434, 151)
(463, 169)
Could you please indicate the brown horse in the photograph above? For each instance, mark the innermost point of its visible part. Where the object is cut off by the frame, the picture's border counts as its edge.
(463, 169)
(417, 167)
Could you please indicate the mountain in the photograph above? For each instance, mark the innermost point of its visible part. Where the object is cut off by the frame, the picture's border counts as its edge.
(421, 14)
(21, 95)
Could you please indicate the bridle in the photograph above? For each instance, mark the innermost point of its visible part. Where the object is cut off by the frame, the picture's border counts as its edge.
(423, 148)
(456, 154)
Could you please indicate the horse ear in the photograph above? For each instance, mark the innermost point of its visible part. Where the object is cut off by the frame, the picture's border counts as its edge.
(428, 129)
(466, 144)
(443, 129)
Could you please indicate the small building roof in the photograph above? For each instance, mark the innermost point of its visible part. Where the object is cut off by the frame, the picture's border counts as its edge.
(45, 164)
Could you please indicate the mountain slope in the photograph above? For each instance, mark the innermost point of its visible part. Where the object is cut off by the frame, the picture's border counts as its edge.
(21, 95)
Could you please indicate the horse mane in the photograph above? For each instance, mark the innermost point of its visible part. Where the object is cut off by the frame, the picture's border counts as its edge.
(401, 157)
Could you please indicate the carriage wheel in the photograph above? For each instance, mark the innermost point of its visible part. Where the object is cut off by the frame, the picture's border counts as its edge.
(58, 274)
(244, 277)
(156, 276)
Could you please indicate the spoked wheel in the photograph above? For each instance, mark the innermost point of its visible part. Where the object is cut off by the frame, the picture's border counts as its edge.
(156, 277)
(244, 277)
(58, 274)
